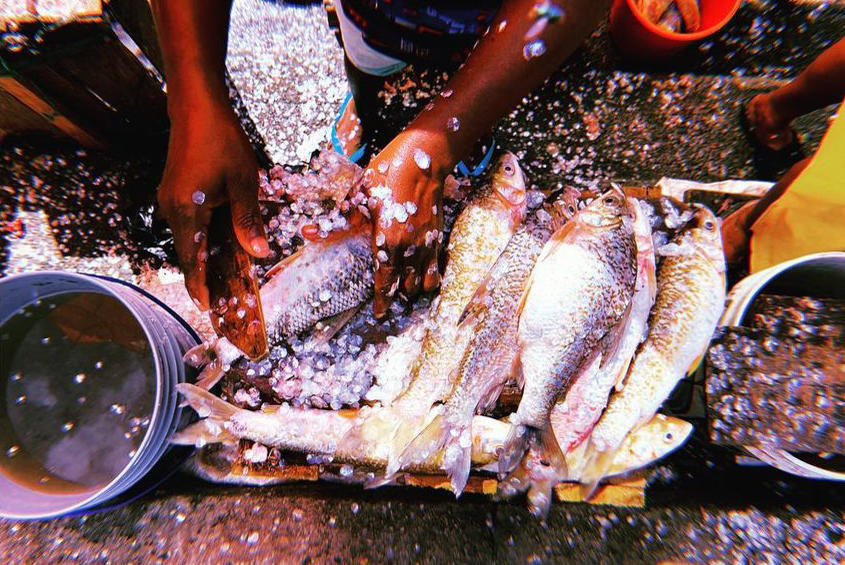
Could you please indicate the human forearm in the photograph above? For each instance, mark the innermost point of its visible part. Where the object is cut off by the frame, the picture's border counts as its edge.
(193, 37)
(497, 75)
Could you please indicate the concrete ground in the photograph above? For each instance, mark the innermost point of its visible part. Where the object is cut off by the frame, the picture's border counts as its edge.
(599, 119)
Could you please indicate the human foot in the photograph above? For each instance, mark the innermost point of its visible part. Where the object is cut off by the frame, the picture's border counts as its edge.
(767, 124)
(349, 130)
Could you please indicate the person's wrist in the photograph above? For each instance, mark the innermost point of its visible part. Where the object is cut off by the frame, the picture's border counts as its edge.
(435, 145)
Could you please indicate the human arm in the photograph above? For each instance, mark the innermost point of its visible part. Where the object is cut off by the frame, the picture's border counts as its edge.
(210, 161)
(495, 77)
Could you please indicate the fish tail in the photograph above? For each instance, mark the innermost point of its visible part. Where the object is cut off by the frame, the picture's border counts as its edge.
(216, 413)
(514, 448)
(537, 472)
(442, 438)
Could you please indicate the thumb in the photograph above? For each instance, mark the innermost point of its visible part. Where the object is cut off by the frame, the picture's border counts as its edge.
(246, 217)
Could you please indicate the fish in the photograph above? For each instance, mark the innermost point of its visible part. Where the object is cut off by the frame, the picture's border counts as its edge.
(579, 291)
(488, 362)
(653, 9)
(325, 278)
(690, 300)
(480, 233)
(579, 410)
(671, 20)
(321, 432)
(690, 13)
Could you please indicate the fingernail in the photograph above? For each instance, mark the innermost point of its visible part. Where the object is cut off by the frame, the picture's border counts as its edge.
(259, 245)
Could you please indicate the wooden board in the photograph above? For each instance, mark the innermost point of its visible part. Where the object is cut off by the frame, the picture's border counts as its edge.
(215, 463)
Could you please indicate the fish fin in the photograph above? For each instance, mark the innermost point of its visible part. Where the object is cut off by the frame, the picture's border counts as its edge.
(437, 441)
(403, 434)
(284, 263)
(481, 295)
(377, 482)
(556, 240)
(537, 472)
(367, 433)
(199, 355)
(334, 324)
(210, 375)
(514, 448)
(596, 468)
(215, 413)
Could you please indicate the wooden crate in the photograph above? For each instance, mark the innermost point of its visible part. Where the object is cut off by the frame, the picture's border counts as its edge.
(84, 78)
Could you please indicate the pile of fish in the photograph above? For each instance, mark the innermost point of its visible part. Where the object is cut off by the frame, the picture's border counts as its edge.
(595, 310)
(679, 16)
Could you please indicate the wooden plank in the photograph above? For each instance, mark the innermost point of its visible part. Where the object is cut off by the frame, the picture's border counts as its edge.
(29, 97)
(16, 117)
(137, 19)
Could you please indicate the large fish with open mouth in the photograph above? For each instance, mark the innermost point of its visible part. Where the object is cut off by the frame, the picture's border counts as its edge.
(579, 293)
(321, 432)
(488, 362)
(690, 300)
(478, 237)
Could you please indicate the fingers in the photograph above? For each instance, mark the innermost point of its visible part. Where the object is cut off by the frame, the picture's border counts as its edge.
(246, 216)
(386, 283)
(431, 278)
(190, 230)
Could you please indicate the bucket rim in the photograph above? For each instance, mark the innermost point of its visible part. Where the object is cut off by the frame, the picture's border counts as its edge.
(685, 37)
(113, 487)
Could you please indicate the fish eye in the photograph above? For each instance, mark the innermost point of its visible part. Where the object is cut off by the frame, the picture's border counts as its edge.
(610, 200)
(508, 169)
(709, 225)
(669, 436)
(571, 209)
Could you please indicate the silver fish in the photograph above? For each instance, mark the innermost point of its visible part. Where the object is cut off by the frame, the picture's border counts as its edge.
(478, 237)
(690, 300)
(320, 432)
(580, 289)
(488, 362)
(324, 278)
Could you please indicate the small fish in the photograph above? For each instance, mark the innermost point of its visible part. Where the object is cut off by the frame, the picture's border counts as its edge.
(324, 278)
(478, 237)
(671, 20)
(488, 362)
(320, 432)
(690, 300)
(690, 13)
(653, 9)
(579, 291)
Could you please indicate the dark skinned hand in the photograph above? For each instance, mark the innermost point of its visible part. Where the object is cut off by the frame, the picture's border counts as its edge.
(210, 162)
(405, 242)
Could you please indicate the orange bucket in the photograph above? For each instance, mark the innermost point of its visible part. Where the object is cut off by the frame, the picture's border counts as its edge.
(640, 39)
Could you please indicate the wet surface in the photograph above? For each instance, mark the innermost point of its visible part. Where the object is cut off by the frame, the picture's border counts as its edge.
(599, 119)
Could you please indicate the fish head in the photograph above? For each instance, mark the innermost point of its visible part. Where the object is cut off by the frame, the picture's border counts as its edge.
(655, 439)
(704, 230)
(564, 207)
(608, 210)
(508, 186)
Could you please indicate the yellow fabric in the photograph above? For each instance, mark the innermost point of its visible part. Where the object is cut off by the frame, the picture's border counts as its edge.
(810, 216)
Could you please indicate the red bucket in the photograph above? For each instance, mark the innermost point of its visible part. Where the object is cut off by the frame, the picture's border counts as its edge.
(640, 39)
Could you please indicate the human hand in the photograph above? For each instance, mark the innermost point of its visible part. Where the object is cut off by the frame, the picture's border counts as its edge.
(736, 233)
(404, 185)
(210, 162)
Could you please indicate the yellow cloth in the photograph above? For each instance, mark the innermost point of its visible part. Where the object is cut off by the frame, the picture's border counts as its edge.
(810, 216)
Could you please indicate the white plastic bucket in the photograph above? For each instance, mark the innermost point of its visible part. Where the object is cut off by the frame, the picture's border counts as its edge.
(167, 338)
(821, 275)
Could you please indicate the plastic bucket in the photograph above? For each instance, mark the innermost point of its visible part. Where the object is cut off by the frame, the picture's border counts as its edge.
(821, 275)
(640, 39)
(117, 412)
